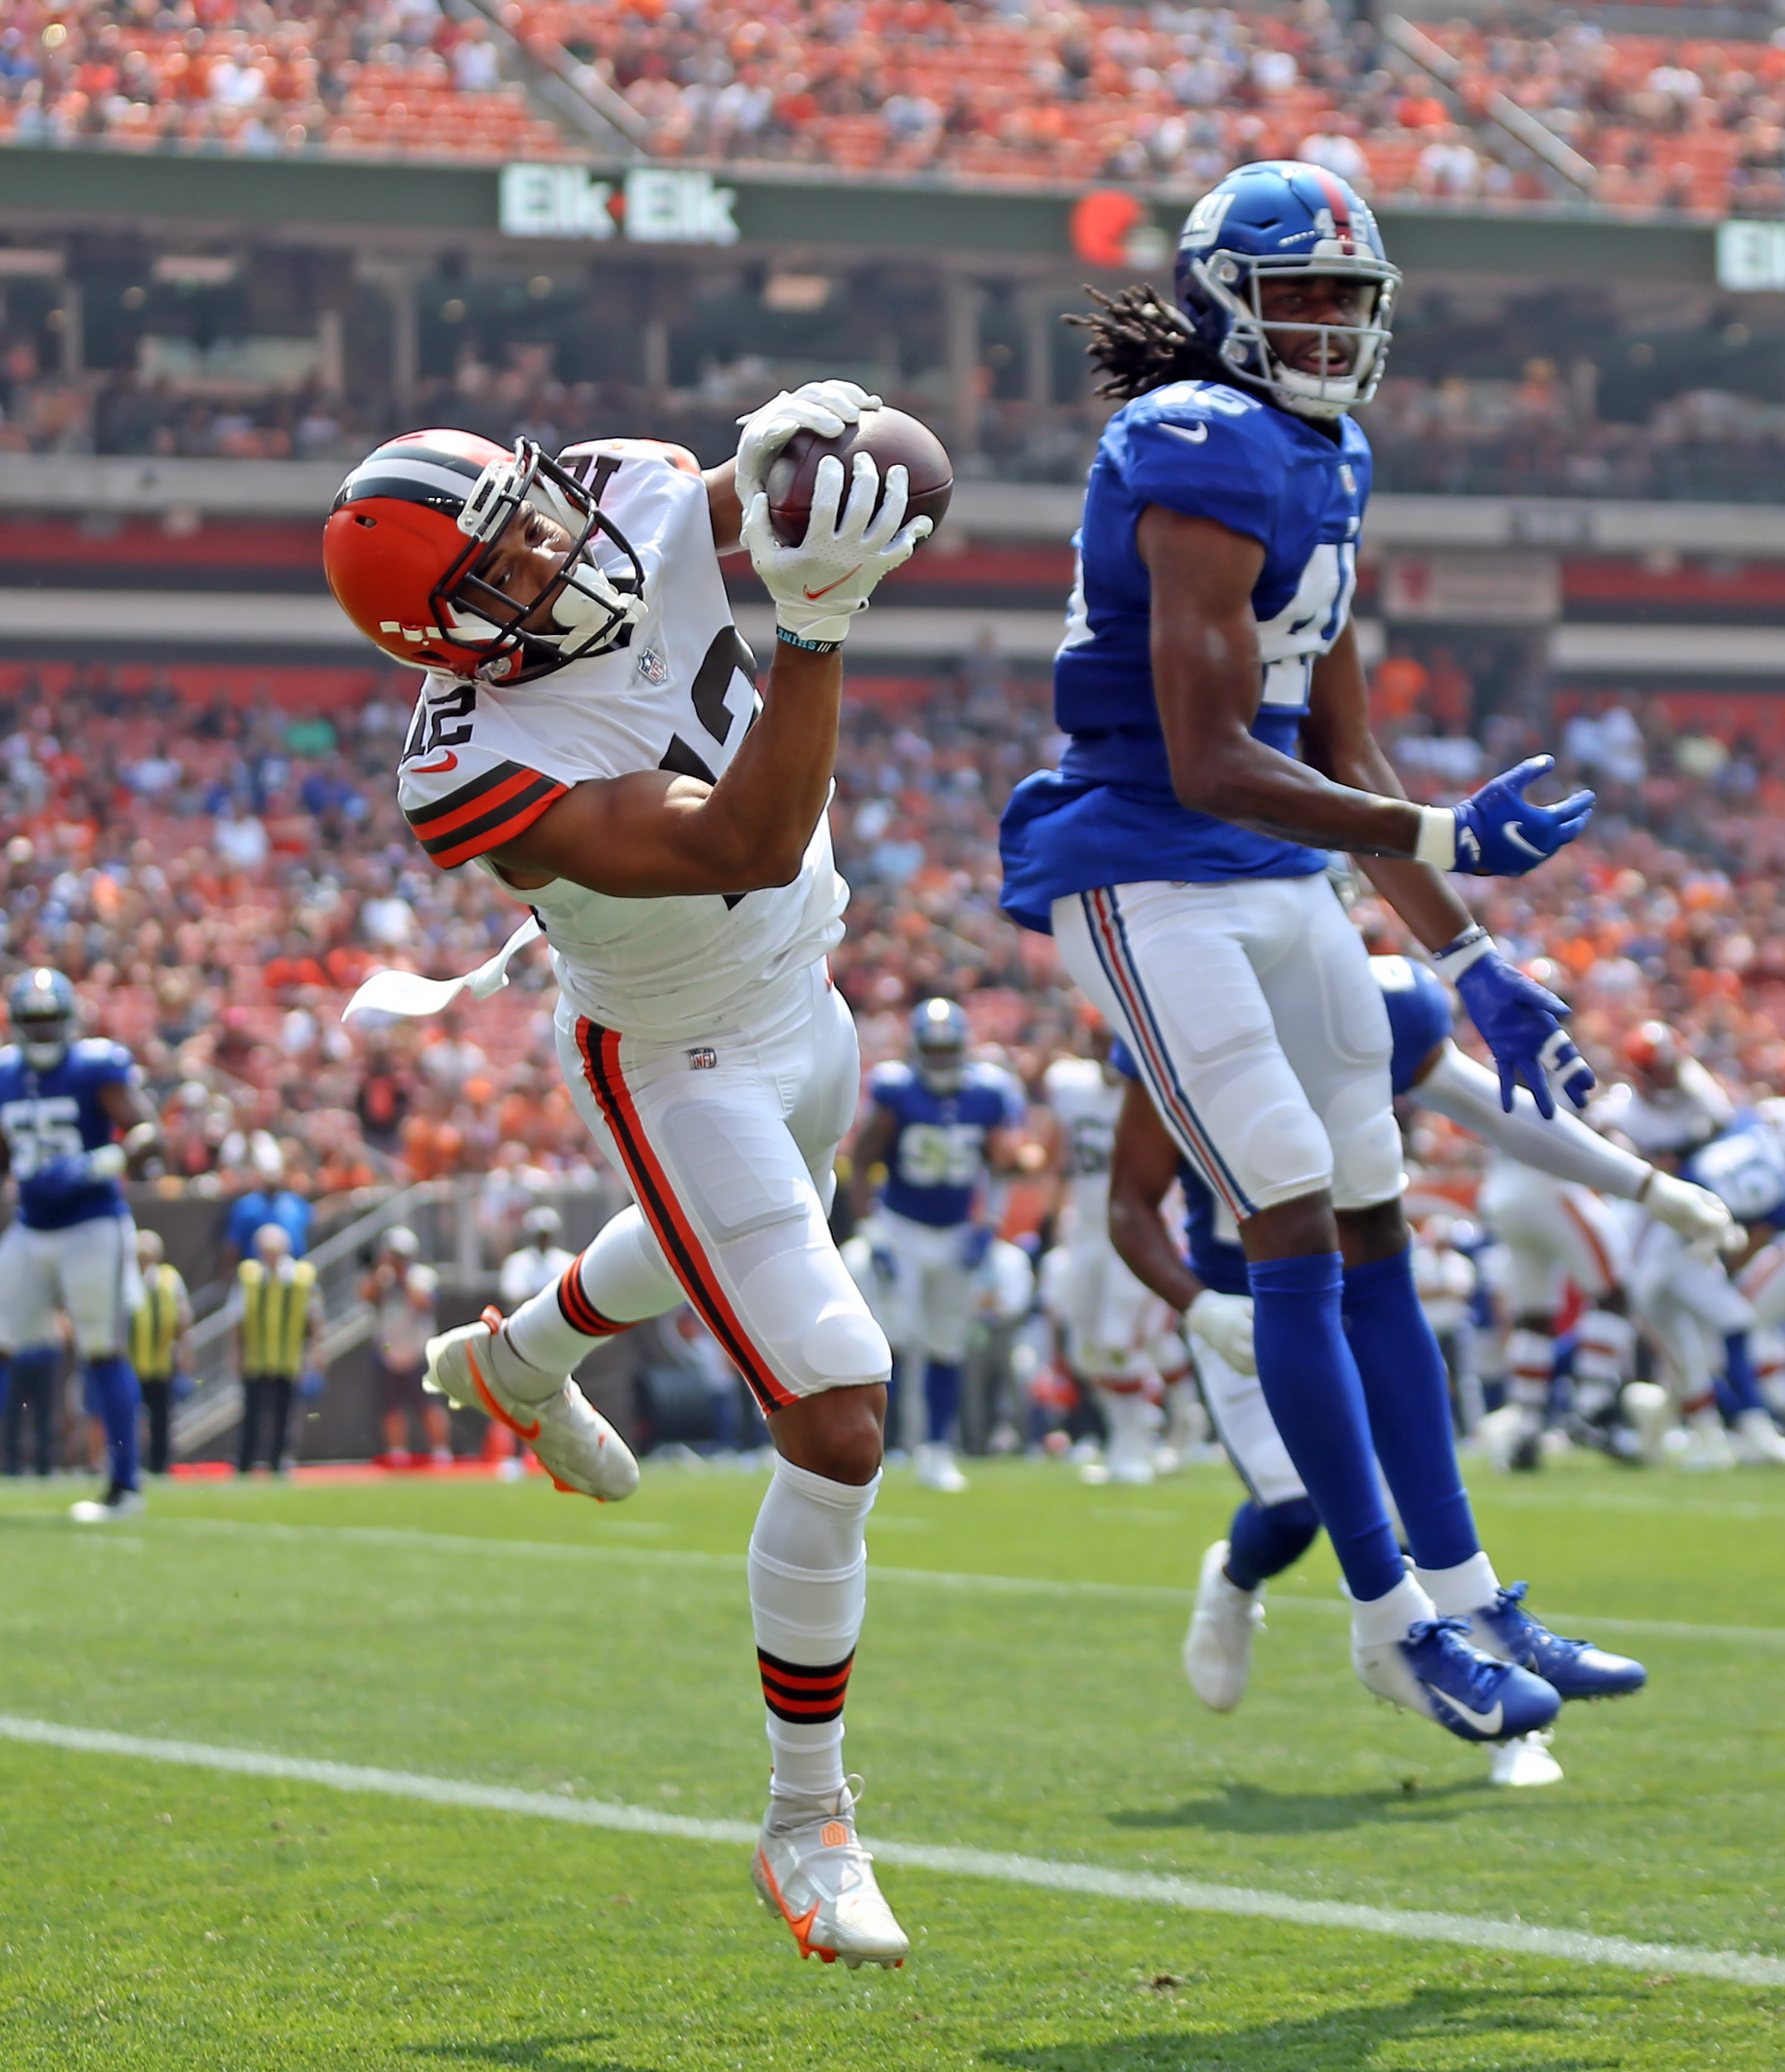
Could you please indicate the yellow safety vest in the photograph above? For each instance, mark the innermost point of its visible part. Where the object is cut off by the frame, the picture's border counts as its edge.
(275, 1312)
(155, 1324)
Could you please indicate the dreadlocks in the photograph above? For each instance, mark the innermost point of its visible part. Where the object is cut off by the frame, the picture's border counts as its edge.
(1141, 343)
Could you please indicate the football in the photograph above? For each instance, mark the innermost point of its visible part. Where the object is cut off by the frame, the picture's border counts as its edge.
(893, 439)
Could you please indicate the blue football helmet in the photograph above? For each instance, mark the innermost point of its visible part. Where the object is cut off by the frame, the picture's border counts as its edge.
(939, 1045)
(42, 1004)
(1282, 217)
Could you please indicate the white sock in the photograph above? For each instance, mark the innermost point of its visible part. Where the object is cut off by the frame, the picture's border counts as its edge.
(1130, 1417)
(1605, 1350)
(808, 1587)
(1530, 1362)
(619, 1279)
(1381, 1619)
(1465, 1588)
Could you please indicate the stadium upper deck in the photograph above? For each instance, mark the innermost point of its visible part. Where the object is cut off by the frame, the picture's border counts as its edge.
(957, 88)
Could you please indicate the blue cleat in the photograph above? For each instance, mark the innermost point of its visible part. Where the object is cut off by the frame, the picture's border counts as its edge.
(1576, 1668)
(1437, 1670)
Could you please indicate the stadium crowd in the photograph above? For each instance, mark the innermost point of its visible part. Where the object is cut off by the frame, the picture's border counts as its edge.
(217, 876)
(1166, 93)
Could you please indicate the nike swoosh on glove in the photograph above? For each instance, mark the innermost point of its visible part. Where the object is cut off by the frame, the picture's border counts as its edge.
(819, 585)
(1499, 833)
(827, 407)
(1521, 1022)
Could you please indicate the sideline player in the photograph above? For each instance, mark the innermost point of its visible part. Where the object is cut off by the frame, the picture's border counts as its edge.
(938, 1124)
(590, 735)
(1276, 1525)
(1103, 1313)
(1211, 686)
(65, 1103)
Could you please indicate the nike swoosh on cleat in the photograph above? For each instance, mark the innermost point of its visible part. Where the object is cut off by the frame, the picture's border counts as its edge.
(1191, 434)
(494, 1409)
(448, 762)
(813, 596)
(1487, 1725)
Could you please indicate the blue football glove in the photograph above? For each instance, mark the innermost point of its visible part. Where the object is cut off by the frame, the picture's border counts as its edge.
(976, 1242)
(1521, 1023)
(1500, 834)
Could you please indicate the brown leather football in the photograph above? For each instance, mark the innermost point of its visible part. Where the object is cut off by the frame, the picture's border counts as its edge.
(893, 437)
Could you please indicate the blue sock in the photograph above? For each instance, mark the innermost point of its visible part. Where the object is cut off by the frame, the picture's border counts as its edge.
(1266, 1538)
(1738, 1390)
(1408, 1393)
(113, 1382)
(941, 1399)
(1310, 1382)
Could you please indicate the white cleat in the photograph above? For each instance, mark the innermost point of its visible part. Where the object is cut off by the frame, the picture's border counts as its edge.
(1757, 1442)
(1131, 1465)
(1649, 1409)
(577, 1448)
(1218, 1647)
(115, 1503)
(936, 1468)
(820, 1880)
(1702, 1445)
(1524, 1762)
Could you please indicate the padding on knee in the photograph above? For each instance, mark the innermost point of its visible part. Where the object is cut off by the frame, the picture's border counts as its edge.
(1366, 1160)
(846, 1346)
(1285, 1153)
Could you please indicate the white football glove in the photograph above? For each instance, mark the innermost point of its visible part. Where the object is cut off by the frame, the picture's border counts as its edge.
(1699, 1216)
(1224, 1324)
(819, 585)
(827, 407)
(107, 1162)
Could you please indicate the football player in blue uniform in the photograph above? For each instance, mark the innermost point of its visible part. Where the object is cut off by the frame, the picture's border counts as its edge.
(1276, 1524)
(65, 1103)
(938, 1124)
(1211, 691)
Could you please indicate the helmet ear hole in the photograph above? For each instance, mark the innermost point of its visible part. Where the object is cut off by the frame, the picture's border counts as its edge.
(359, 518)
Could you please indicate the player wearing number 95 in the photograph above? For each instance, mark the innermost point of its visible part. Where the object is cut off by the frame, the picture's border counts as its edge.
(65, 1105)
(590, 734)
(1218, 746)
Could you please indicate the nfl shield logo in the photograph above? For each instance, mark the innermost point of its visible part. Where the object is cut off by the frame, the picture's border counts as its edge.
(703, 1060)
(653, 668)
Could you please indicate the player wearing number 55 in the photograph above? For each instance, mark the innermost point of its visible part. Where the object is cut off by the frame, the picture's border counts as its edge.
(590, 733)
(72, 1121)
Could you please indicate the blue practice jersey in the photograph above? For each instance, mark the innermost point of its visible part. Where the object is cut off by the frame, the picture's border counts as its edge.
(49, 1118)
(938, 1149)
(1419, 1018)
(1745, 1169)
(1110, 816)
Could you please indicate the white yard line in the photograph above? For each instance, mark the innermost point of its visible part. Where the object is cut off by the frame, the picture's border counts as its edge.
(1516, 1938)
(940, 1579)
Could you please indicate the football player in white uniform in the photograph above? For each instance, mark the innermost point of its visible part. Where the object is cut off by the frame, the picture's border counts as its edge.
(590, 733)
(1121, 1340)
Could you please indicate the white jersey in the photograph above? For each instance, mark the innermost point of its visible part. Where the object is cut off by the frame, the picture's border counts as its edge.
(1085, 1102)
(1673, 1123)
(483, 761)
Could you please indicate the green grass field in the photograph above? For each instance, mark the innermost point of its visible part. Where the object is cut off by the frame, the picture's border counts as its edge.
(159, 1915)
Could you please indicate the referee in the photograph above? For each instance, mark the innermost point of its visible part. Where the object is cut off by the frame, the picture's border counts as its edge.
(279, 1319)
(157, 1344)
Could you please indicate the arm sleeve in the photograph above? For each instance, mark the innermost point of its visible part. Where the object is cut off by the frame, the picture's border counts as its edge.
(1206, 465)
(1469, 1094)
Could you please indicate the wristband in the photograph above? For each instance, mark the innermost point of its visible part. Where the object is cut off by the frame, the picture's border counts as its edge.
(808, 648)
(1437, 844)
(1470, 947)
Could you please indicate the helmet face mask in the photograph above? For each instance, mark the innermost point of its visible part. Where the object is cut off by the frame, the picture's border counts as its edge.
(939, 1044)
(44, 1012)
(417, 529)
(1280, 220)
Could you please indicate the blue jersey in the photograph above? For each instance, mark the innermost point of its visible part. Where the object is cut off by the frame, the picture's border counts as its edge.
(1419, 1018)
(1108, 816)
(1419, 1014)
(50, 1119)
(1745, 1169)
(938, 1149)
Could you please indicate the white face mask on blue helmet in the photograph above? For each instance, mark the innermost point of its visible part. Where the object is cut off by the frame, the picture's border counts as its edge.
(42, 1004)
(939, 1034)
(1277, 219)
